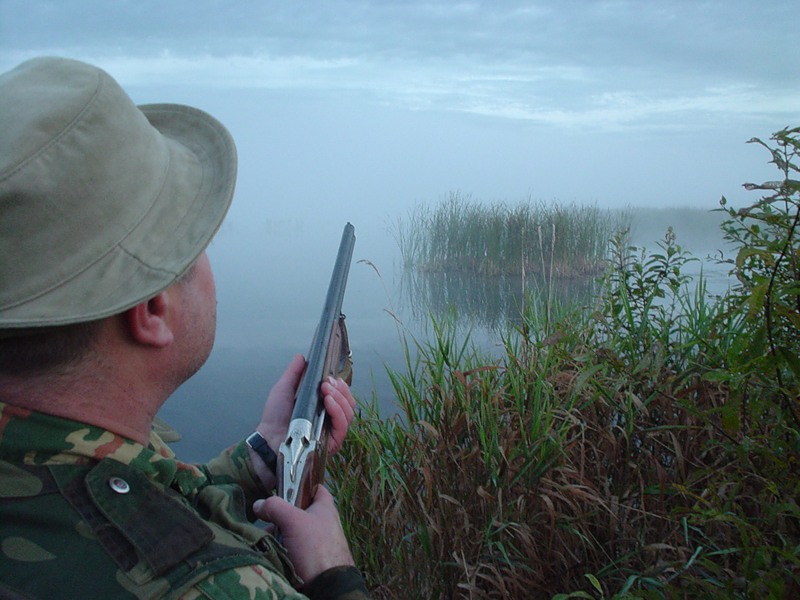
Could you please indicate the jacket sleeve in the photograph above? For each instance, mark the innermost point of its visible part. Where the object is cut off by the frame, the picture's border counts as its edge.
(341, 583)
(243, 583)
(233, 465)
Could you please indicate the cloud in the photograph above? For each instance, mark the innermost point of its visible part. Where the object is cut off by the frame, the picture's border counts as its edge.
(564, 64)
(168, 67)
(625, 110)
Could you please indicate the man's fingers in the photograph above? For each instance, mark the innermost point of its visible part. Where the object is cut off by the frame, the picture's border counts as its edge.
(322, 497)
(284, 516)
(340, 393)
(313, 537)
(274, 509)
(340, 406)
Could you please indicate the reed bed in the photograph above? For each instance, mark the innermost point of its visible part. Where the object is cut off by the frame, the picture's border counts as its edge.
(647, 447)
(460, 235)
(578, 464)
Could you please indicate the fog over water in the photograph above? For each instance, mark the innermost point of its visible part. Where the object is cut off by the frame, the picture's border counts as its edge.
(271, 288)
(358, 111)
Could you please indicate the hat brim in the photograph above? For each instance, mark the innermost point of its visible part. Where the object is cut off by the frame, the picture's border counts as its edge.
(192, 203)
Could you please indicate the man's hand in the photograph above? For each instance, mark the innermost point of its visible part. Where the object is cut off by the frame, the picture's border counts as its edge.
(313, 537)
(339, 404)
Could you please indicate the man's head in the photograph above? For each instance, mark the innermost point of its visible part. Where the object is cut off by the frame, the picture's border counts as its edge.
(103, 204)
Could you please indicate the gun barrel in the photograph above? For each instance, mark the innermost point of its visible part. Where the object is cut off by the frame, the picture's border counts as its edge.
(307, 400)
(301, 456)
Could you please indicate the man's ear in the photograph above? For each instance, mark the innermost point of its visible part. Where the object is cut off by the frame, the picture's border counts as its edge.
(148, 321)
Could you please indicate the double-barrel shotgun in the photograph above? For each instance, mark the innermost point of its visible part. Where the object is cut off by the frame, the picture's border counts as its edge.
(303, 454)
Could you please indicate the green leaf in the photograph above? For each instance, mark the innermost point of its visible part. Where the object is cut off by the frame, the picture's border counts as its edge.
(717, 376)
(791, 358)
(594, 581)
(730, 418)
(747, 252)
(756, 300)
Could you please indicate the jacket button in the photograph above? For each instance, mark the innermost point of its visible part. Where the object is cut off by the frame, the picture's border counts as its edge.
(119, 485)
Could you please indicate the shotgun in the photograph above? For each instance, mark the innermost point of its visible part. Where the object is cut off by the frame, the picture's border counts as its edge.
(303, 454)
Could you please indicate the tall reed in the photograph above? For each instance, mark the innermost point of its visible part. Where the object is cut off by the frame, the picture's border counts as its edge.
(534, 237)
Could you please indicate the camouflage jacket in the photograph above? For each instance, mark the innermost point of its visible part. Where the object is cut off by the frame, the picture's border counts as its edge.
(85, 513)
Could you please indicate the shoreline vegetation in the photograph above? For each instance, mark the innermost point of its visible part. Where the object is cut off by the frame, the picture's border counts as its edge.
(644, 446)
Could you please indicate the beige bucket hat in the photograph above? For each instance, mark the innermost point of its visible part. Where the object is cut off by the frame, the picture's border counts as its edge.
(103, 204)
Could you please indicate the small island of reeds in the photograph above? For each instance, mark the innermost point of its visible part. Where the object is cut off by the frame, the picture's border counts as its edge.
(462, 235)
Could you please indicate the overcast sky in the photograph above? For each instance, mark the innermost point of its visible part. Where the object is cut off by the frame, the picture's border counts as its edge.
(393, 103)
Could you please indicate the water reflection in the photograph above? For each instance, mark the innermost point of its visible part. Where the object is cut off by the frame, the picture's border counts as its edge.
(490, 303)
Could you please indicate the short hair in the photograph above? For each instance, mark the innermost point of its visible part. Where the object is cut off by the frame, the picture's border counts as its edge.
(34, 351)
(188, 274)
(38, 350)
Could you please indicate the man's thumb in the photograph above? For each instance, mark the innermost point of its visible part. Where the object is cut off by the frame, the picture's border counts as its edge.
(273, 509)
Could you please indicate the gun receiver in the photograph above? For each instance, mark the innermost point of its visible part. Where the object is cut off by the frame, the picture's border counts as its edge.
(303, 454)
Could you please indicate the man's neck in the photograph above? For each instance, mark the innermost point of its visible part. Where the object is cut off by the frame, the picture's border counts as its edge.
(110, 404)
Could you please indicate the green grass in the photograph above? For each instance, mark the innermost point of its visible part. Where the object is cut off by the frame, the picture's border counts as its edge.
(647, 446)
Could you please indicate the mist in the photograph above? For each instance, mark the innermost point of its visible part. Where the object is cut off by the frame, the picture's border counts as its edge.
(358, 111)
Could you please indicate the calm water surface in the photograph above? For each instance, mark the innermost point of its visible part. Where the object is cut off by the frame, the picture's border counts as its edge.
(271, 280)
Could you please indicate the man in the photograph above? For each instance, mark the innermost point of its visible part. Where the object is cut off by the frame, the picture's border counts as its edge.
(107, 304)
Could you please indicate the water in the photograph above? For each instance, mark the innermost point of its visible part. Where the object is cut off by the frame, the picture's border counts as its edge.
(272, 276)
(271, 282)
